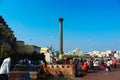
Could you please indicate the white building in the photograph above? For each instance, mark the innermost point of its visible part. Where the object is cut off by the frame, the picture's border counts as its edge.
(117, 55)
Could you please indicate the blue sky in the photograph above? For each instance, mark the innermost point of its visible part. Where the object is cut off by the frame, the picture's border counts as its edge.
(88, 24)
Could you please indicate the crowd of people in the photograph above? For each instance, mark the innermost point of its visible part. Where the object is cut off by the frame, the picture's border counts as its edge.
(85, 65)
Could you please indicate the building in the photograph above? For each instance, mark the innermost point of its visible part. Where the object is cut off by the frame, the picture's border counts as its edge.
(36, 49)
(44, 50)
(25, 48)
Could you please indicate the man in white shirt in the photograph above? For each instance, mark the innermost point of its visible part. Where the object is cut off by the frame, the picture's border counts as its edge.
(4, 69)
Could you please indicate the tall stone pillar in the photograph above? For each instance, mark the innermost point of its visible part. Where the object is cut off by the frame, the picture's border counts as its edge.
(61, 34)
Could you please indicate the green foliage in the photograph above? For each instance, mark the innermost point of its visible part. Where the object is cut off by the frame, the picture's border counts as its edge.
(57, 53)
(70, 56)
(7, 40)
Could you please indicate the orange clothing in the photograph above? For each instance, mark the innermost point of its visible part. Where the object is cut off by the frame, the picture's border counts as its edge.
(84, 67)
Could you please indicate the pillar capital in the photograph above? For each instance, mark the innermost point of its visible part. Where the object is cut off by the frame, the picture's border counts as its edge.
(61, 19)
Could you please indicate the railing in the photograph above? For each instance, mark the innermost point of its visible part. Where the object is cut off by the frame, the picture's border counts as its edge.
(22, 72)
(61, 70)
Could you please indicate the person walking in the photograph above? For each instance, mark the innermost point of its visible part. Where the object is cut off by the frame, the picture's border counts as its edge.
(108, 65)
(85, 66)
(96, 65)
(91, 64)
(115, 63)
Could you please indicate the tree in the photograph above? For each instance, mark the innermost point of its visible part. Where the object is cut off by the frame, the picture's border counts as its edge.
(7, 40)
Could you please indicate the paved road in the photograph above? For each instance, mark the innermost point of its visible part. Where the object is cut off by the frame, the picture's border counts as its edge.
(101, 75)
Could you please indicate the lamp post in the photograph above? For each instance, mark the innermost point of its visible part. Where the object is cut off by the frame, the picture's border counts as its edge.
(61, 34)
